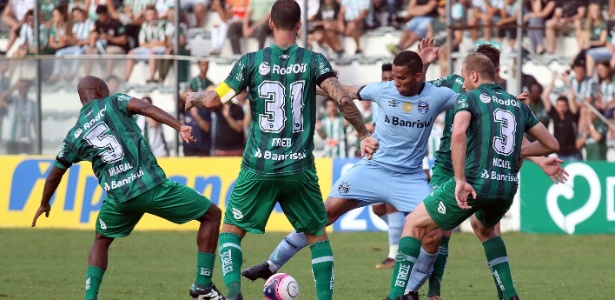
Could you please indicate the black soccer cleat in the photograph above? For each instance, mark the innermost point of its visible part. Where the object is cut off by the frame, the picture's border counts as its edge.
(514, 298)
(411, 296)
(206, 293)
(258, 271)
(236, 297)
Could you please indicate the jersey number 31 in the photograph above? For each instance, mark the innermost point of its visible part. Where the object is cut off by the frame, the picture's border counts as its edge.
(274, 93)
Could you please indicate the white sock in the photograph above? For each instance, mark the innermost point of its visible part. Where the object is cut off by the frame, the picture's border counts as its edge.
(393, 249)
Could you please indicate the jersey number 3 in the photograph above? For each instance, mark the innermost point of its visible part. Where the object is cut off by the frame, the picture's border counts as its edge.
(274, 118)
(504, 144)
(99, 138)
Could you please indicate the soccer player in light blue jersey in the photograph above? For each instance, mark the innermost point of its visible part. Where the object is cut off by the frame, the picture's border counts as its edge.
(407, 108)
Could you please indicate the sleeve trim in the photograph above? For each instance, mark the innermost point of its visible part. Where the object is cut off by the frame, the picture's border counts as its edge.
(359, 93)
(324, 77)
(63, 162)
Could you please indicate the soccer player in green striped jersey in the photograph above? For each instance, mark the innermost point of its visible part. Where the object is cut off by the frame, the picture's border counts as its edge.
(107, 136)
(278, 164)
(443, 170)
(486, 165)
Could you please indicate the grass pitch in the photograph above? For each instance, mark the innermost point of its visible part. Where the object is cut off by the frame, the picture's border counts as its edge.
(51, 264)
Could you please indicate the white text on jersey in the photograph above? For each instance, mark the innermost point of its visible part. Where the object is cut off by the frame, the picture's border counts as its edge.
(281, 142)
(98, 117)
(119, 169)
(294, 68)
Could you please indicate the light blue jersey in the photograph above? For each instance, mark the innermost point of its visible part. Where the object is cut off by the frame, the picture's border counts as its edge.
(404, 123)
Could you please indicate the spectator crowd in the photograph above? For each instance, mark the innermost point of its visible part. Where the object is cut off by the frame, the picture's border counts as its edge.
(575, 104)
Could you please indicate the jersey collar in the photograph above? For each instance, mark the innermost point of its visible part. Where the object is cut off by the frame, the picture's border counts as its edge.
(278, 50)
(492, 86)
(88, 105)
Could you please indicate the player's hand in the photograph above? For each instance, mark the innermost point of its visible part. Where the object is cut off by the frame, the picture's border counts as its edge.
(427, 51)
(44, 208)
(551, 166)
(523, 96)
(185, 132)
(462, 190)
(369, 145)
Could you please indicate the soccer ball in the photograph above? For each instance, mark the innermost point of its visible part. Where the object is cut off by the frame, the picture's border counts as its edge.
(281, 286)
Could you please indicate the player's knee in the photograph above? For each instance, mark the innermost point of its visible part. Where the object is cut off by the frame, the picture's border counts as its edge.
(379, 209)
(433, 237)
(102, 241)
(482, 232)
(213, 214)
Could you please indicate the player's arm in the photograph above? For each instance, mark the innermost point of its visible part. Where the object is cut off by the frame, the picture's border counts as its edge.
(428, 54)
(140, 107)
(352, 91)
(459, 143)
(550, 165)
(51, 185)
(545, 143)
(336, 91)
(234, 83)
(458, 154)
(351, 113)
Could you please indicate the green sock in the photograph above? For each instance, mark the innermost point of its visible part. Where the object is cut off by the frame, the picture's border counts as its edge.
(230, 259)
(409, 249)
(204, 268)
(497, 285)
(495, 250)
(93, 279)
(438, 268)
(322, 267)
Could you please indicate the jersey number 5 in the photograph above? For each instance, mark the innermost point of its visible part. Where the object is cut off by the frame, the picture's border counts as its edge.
(504, 144)
(274, 118)
(99, 138)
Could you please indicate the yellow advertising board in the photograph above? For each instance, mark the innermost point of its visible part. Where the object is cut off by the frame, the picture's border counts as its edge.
(79, 197)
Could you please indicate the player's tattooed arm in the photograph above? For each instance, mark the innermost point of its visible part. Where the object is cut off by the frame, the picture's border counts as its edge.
(351, 90)
(349, 110)
(351, 113)
(208, 99)
(51, 184)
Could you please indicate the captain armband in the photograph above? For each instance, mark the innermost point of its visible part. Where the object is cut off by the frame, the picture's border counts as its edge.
(225, 92)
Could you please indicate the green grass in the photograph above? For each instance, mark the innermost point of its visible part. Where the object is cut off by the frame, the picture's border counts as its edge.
(50, 264)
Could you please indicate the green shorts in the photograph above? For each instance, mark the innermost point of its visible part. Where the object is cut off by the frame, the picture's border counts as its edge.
(169, 200)
(439, 176)
(254, 197)
(443, 209)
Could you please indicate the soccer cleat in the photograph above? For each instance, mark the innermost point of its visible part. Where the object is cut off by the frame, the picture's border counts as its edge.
(386, 264)
(411, 296)
(435, 297)
(207, 293)
(236, 297)
(258, 271)
(514, 298)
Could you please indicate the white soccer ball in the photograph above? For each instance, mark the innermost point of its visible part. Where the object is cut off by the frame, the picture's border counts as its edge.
(281, 286)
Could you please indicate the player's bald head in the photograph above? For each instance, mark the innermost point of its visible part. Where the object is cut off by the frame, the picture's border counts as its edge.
(92, 87)
(481, 64)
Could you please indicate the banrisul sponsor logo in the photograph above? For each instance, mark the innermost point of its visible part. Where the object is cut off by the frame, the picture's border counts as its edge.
(407, 123)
